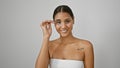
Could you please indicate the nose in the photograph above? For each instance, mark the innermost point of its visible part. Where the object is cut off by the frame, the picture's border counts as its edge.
(63, 25)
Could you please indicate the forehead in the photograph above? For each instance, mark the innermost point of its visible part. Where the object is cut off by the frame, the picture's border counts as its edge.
(62, 15)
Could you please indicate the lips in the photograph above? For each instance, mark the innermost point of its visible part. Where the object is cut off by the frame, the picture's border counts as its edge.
(64, 31)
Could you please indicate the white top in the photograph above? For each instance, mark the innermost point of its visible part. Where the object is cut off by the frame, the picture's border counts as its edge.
(60, 63)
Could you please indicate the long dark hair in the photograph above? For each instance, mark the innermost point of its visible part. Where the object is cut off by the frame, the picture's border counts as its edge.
(63, 8)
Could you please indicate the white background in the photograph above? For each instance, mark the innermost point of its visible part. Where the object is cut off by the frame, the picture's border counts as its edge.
(20, 35)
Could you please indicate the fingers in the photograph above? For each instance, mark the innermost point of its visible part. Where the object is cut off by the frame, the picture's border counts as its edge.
(46, 22)
(46, 27)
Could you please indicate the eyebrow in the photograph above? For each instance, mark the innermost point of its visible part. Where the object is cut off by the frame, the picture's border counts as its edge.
(64, 19)
(57, 20)
(68, 19)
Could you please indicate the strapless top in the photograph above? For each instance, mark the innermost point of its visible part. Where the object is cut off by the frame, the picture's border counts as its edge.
(61, 63)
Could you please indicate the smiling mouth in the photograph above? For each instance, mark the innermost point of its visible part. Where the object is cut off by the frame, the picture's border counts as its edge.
(64, 31)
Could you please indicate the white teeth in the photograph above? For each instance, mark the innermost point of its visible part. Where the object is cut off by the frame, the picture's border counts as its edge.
(64, 31)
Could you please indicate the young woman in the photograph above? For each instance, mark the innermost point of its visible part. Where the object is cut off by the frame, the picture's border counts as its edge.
(67, 51)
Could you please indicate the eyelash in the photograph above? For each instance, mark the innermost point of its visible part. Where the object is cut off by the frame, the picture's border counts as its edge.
(59, 22)
(67, 21)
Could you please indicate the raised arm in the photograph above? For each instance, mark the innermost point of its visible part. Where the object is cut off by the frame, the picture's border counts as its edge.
(89, 56)
(43, 57)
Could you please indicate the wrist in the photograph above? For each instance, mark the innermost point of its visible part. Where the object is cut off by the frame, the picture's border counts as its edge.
(46, 38)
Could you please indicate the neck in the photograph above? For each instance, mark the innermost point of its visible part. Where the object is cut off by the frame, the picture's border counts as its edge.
(66, 39)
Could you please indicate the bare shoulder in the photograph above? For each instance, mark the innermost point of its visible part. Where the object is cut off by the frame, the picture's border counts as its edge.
(85, 43)
(53, 43)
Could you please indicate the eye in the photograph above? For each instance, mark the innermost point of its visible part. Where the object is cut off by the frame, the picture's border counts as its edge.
(58, 22)
(67, 21)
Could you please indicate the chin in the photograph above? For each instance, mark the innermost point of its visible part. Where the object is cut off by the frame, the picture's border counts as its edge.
(63, 35)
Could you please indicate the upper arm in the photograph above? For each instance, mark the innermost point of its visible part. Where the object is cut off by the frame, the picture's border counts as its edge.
(89, 55)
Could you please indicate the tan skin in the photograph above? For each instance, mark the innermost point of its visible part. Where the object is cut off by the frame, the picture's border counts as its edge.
(65, 47)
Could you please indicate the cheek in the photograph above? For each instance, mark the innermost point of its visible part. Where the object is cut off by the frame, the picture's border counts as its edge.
(57, 27)
(70, 25)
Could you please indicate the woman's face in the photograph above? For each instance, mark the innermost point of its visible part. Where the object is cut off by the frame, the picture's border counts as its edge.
(63, 23)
